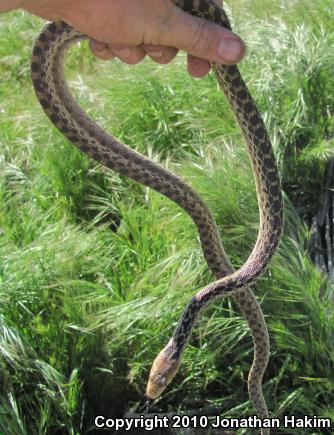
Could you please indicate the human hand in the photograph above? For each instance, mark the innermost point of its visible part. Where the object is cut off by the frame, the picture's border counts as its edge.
(9, 5)
(130, 29)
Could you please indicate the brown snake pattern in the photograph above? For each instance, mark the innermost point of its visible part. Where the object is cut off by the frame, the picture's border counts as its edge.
(55, 98)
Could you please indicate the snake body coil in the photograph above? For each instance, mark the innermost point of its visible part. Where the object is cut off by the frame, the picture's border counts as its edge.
(55, 98)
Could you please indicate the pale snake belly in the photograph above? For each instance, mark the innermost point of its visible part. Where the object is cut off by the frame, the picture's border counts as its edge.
(55, 98)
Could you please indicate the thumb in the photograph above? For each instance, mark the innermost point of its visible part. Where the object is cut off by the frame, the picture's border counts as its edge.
(203, 39)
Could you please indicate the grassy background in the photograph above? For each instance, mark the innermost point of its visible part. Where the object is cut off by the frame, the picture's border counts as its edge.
(95, 269)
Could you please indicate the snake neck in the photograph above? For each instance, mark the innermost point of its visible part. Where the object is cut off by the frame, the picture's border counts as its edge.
(184, 328)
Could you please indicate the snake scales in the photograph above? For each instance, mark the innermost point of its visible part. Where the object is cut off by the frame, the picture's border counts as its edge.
(56, 100)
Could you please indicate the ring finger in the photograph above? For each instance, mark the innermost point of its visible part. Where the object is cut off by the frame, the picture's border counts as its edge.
(159, 53)
(129, 55)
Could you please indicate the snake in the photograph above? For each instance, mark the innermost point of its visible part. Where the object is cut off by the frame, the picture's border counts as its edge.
(47, 73)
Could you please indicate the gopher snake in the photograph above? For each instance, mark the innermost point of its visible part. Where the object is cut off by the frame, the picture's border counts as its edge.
(55, 98)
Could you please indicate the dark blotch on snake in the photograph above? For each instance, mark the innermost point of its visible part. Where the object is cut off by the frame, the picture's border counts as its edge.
(84, 148)
(45, 103)
(64, 129)
(52, 28)
(242, 94)
(35, 67)
(73, 139)
(37, 50)
(96, 156)
(248, 107)
(42, 37)
(54, 118)
(187, 5)
(38, 85)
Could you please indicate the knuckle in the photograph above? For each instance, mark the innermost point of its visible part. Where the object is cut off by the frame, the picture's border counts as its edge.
(202, 38)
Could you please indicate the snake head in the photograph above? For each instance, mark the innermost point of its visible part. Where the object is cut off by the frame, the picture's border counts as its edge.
(163, 370)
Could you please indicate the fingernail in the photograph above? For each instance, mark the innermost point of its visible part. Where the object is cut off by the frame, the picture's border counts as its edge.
(155, 54)
(230, 50)
(123, 53)
(98, 47)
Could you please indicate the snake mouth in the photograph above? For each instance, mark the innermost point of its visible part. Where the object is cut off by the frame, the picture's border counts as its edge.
(145, 404)
(148, 399)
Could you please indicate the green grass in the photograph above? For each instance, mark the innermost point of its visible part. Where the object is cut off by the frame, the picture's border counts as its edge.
(95, 269)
